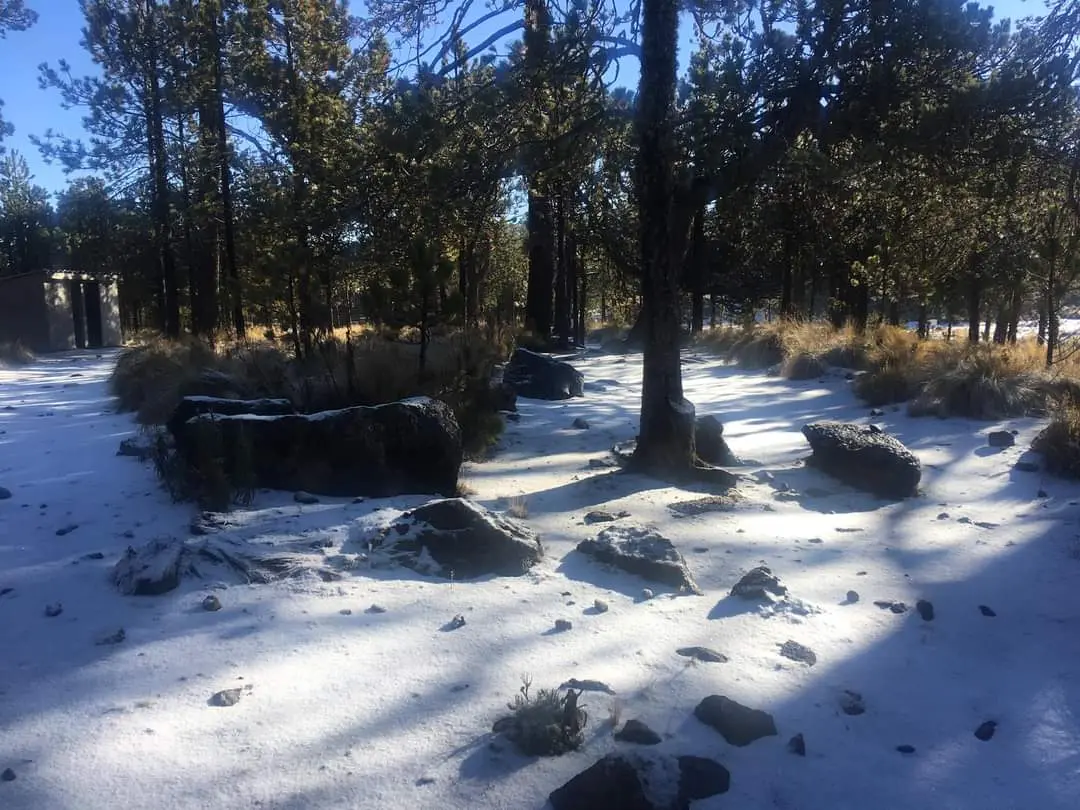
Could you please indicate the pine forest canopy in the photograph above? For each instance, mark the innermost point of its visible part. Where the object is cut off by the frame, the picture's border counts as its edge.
(293, 164)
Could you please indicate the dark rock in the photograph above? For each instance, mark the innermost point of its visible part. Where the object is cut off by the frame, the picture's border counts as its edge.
(852, 597)
(381, 609)
(192, 406)
(709, 503)
(93, 555)
(587, 685)
(986, 730)
(875, 462)
(537, 376)
(133, 447)
(305, 498)
(108, 639)
(711, 445)
(759, 583)
(926, 610)
(512, 416)
(54, 610)
(1042, 493)
(211, 604)
(7, 775)
(407, 447)
(985, 611)
(704, 654)
(646, 594)
(888, 604)
(6, 591)
(906, 749)
(599, 516)
(226, 697)
(153, 569)
(635, 731)
(600, 464)
(738, 724)
(562, 625)
(580, 424)
(641, 551)
(5, 493)
(456, 537)
(877, 412)
(798, 652)
(1000, 438)
(797, 745)
(639, 781)
(64, 530)
(455, 623)
(1026, 466)
(345, 611)
(852, 703)
(600, 606)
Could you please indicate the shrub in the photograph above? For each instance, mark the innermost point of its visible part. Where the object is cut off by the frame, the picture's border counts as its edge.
(1059, 442)
(979, 382)
(545, 724)
(885, 386)
(803, 366)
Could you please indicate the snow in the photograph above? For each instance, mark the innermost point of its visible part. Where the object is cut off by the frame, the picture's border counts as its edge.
(388, 710)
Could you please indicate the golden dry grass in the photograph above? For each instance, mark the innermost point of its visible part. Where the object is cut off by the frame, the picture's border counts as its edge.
(1059, 442)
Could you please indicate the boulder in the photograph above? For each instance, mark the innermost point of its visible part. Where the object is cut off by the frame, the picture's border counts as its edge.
(192, 406)
(864, 457)
(636, 780)
(411, 446)
(457, 538)
(1000, 438)
(537, 376)
(738, 724)
(709, 440)
(641, 551)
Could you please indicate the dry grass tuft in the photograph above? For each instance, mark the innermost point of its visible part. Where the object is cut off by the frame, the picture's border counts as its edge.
(1059, 442)
(518, 508)
(15, 354)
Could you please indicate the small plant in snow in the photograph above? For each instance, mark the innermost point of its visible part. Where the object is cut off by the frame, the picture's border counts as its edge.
(546, 723)
(519, 507)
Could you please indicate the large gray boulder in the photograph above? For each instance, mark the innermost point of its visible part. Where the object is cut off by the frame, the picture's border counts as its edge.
(641, 551)
(407, 447)
(192, 406)
(864, 457)
(537, 376)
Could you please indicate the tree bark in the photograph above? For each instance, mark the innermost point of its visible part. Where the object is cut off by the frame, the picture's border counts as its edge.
(666, 435)
(974, 308)
(697, 272)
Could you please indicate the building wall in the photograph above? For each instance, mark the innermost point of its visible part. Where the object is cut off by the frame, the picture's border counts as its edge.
(59, 316)
(110, 314)
(23, 315)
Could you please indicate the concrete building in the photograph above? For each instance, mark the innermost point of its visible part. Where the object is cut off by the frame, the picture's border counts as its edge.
(53, 311)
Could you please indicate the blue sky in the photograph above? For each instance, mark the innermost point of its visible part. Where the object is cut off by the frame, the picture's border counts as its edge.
(57, 36)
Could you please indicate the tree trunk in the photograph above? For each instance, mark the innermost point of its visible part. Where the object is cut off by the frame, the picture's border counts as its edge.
(666, 435)
(697, 272)
(562, 300)
(1001, 326)
(974, 308)
(582, 297)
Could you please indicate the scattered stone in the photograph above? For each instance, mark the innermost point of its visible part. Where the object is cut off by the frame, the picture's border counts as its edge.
(537, 376)
(797, 745)
(1027, 466)
(865, 459)
(877, 412)
(133, 447)
(985, 611)
(986, 730)
(512, 416)
(888, 604)
(600, 606)
(943, 516)
(710, 444)
(704, 654)
(7, 775)
(588, 685)
(600, 464)
(643, 552)
(599, 516)
(798, 652)
(53, 610)
(1001, 438)
(5, 493)
(93, 555)
(906, 749)
(226, 697)
(759, 583)
(728, 502)
(562, 625)
(642, 781)
(646, 594)
(211, 603)
(455, 623)
(852, 703)
(381, 609)
(852, 597)
(66, 529)
(986, 524)
(738, 724)
(636, 731)
(115, 637)
(454, 537)
(305, 498)
(345, 611)
(580, 424)
(926, 610)
(963, 520)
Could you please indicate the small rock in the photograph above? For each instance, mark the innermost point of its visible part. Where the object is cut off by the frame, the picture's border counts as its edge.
(211, 603)
(580, 424)
(345, 611)
(512, 416)
(381, 609)
(888, 604)
(703, 654)
(600, 606)
(852, 703)
(738, 724)
(759, 583)
(986, 730)
(798, 652)
(985, 611)
(8, 775)
(943, 516)
(635, 731)
(599, 516)
(797, 745)
(964, 520)
(906, 749)
(226, 697)
(305, 498)
(877, 412)
(926, 610)
(93, 555)
(587, 685)
(562, 625)
(111, 638)
(600, 464)
(66, 529)
(5, 493)
(54, 610)
(1001, 438)
(646, 594)
(1027, 466)
(6, 591)
(455, 623)
(852, 597)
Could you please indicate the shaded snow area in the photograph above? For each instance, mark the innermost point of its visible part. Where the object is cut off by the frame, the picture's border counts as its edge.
(357, 689)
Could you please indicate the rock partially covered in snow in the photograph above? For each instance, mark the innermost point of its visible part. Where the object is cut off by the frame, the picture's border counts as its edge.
(190, 407)
(641, 551)
(710, 443)
(407, 447)
(864, 458)
(458, 538)
(642, 781)
(738, 724)
(759, 583)
(537, 376)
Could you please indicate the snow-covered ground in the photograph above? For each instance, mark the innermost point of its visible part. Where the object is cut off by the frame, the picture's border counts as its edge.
(386, 710)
